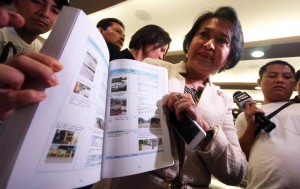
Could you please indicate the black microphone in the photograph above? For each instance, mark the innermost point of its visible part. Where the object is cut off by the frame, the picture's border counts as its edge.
(241, 98)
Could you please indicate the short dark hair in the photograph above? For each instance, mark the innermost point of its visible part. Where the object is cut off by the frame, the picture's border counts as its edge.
(263, 69)
(297, 76)
(61, 3)
(149, 35)
(237, 41)
(106, 22)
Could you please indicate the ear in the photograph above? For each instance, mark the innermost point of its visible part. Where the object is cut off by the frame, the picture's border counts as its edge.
(100, 29)
(259, 82)
(295, 86)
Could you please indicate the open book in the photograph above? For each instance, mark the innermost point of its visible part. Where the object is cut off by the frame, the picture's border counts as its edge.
(103, 120)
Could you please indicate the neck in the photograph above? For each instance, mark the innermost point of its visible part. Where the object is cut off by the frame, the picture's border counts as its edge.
(26, 35)
(195, 83)
(137, 54)
(266, 101)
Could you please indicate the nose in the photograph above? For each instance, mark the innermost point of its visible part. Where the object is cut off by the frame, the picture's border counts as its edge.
(45, 11)
(209, 45)
(123, 38)
(161, 56)
(279, 79)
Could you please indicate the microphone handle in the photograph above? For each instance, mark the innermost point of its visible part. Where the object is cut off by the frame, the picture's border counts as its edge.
(264, 122)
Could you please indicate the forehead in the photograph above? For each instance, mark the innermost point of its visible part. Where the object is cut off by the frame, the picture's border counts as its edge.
(116, 25)
(50, 2)
(156, 47)
(278, 68)
(218, 25)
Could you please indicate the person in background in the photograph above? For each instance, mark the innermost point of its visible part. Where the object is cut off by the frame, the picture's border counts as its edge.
(214, 43)
(272, 156)
(296, 99)
(113, 31)
(39, 17)
(151, 41)
(16, 72)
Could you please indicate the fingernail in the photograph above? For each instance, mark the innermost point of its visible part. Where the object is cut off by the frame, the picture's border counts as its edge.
(57, 67)
(42, 95)
(53, 80)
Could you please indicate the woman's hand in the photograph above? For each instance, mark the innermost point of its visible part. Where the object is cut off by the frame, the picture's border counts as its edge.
(20, 70)
(182, 104)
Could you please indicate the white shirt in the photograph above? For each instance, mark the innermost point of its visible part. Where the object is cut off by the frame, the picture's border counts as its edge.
(274, 157)
(9, 34)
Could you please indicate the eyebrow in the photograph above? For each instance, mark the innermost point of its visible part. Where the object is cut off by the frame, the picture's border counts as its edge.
(223, 34)
(273, 72)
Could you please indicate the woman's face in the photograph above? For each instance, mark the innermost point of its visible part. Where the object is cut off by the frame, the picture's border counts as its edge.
(210, 47)
(157, 53)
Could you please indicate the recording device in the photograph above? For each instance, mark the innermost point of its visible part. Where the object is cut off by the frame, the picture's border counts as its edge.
(191, 132)
(241, 98)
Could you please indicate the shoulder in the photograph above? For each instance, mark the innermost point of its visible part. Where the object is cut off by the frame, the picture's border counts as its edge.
(41, 39)
(8, 32)
(240, 124)
(114, 53)
(127, 54)
(217, 92)
(178, 67)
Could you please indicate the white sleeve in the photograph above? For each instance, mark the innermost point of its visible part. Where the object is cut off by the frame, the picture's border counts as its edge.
(240, 124)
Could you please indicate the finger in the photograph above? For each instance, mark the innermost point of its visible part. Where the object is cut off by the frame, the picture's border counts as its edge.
(15, 99)
(4, 17)
(15, 20)
(185, 105)
(10, 78)
(43, 59)
(167, 101)
(179, 95)
(6, 114)
(10, 19)
(181, 108)
(37, 65)
(250, 104)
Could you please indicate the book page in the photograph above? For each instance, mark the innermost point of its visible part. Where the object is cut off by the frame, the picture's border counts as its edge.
(63, 146)
(136, 141)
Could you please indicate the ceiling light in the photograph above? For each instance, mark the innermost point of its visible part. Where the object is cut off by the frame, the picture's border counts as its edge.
(257, 54)
(258, 104)
(142, 14)
(257, 88)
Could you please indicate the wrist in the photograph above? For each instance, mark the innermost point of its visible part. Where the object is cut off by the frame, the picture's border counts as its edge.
(209, 134)
(250, 130)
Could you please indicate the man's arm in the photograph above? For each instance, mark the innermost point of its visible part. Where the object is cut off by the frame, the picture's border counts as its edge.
(246, 126)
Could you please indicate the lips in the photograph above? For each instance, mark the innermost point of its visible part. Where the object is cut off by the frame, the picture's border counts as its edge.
(40, 23)
(205, 55)
(121, 43)
(279, 87)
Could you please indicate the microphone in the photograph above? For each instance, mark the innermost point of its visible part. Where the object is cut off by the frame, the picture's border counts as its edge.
(241, 98)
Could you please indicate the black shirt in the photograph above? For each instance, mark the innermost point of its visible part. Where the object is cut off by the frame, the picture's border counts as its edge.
(115, 53)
